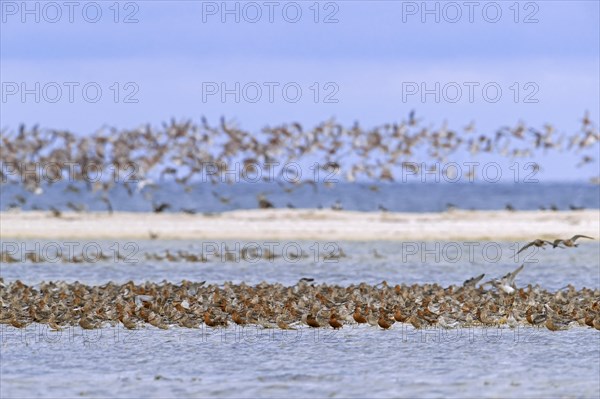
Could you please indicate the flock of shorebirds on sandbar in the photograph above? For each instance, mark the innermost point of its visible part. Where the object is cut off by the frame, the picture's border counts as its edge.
(184, 151)
(195, 304)
(494, 303)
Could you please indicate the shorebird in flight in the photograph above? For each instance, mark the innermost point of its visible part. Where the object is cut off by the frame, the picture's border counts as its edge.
(569, 242)
(507, 283)
(535, 243)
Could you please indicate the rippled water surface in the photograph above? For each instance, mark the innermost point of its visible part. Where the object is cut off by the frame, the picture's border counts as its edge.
(354, 362)
(444, 263)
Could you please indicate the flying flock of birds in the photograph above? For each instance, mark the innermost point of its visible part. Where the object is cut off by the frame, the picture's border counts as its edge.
(183, 151)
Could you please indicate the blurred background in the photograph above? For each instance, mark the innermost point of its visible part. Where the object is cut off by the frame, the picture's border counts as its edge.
(84, 66)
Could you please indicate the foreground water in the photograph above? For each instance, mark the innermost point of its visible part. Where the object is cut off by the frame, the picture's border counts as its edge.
(359, 362)
(354, 362)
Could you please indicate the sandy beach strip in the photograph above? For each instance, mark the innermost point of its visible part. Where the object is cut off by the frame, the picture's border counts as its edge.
(304, 224)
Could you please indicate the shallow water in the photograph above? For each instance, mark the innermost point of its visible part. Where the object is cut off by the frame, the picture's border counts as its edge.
(444, 263)
(354, 362)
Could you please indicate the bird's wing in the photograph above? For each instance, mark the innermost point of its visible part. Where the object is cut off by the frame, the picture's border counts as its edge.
(513, 275)
(491, 282)
(525, 247)
(473, 281)
(575, 237)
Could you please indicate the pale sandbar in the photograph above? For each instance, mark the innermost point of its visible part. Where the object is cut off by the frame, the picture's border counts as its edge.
(304, 224)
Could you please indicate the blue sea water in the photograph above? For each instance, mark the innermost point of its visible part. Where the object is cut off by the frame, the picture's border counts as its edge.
(396, 197)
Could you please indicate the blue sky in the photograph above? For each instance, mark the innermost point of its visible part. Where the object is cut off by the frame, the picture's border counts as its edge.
(366, 61)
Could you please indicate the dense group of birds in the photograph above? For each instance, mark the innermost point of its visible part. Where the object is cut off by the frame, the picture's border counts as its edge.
(305, 304)
(185, 152)
(193, 304)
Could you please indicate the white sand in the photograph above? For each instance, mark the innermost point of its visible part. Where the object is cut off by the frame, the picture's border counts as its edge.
(283, 224)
